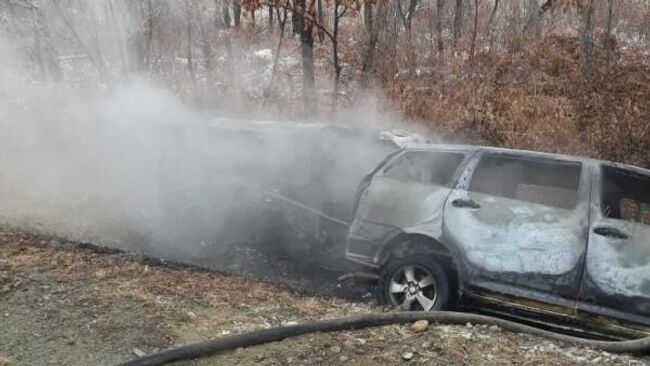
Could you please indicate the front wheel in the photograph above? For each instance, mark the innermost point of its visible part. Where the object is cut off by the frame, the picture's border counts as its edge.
(414, 284)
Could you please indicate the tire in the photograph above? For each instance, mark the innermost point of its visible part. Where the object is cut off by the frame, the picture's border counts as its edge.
(427, 289)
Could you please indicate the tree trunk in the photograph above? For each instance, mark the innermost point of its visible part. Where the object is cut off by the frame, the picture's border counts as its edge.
(490, 22)
(439, 8)
(586, 54)
(646, 23)
(536, 15)
(225, 11)
(305, 27)
(607, 44)
(190, 62)
(236, 11)
(149, 36)
(89, 24)
(474, 33)
(408, 27)
(367, 16)
(206, 49)
(217, 20)
(270, 17)
(282, 21)
(93, 59)
(321, 34)
(458, 23)
(335, 55)
(120, 40)
(369, 54)
(296, 19)
(230, 60)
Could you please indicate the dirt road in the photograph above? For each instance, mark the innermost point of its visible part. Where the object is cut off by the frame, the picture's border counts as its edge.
(61, 305)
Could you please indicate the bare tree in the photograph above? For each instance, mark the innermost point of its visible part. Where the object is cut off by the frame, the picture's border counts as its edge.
(407, 20)
(46, 58)
(89, 24)
(321, 34)
(151, 19)
(369, 55)
(608, 29)
(439, 8)
(119, 38)
(335, 51)
(458, 22)
(190, 63)
(490, 23)
(474, 33)
(305, 15)
(217, 19)
(586, 56)
(101, 68)
(282, 21)
(646, 23)
(367, 15)
(206, 49)
(225, 11)
(236, 11)
(535, 16)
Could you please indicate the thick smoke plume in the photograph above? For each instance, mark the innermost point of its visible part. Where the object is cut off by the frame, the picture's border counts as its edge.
(133, 167)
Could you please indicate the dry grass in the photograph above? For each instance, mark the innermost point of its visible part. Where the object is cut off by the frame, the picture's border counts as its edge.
(528, 99)
(94, 308)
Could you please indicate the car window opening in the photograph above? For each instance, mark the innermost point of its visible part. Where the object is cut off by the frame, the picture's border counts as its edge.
(541, 181)
(435, 168)
(625, 195)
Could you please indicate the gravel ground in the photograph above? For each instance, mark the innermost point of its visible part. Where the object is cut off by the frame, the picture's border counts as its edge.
(61, 305)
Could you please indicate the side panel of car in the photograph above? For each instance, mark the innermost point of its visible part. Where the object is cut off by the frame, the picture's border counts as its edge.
(406, 196)
(521, 223)
(617, 270)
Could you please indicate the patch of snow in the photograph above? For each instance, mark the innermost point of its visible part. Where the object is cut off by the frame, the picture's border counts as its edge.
(264, 54)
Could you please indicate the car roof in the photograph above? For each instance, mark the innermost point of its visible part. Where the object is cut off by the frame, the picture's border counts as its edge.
(460, 147)
(400, 138)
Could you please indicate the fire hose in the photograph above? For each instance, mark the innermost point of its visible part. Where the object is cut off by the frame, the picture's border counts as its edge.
(232, 342)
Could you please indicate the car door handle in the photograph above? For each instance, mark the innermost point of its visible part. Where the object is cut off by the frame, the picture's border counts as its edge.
(610, 232)
(465, 203)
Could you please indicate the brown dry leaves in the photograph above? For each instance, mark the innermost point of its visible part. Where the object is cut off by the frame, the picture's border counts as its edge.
(527, 100)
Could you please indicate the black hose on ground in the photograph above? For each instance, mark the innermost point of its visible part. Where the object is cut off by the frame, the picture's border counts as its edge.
(232, 342)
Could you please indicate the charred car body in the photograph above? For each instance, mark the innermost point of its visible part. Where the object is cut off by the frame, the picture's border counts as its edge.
(283, 188)
(532, 235)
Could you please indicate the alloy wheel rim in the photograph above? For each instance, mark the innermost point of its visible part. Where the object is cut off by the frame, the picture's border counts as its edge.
(413, 287)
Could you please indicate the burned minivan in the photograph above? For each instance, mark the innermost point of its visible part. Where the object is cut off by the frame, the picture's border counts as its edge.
(536, 236)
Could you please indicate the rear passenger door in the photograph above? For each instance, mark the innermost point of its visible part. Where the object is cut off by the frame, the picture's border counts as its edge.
(617, 271)
(410, 191)
(521, 223)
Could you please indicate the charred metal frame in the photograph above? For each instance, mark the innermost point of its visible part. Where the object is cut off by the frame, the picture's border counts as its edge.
(574, 294)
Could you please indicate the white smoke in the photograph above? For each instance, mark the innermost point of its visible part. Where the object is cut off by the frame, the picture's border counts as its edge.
(131, 166)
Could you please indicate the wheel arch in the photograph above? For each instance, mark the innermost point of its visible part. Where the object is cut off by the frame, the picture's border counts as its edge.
(406, 244)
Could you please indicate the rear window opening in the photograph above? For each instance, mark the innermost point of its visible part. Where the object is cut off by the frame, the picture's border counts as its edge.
(625, 195)
(425, 167)
(541, 181)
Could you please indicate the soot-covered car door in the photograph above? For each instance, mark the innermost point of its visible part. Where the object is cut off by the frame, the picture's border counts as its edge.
(617, 271)
(520, 222)
(406, 196)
